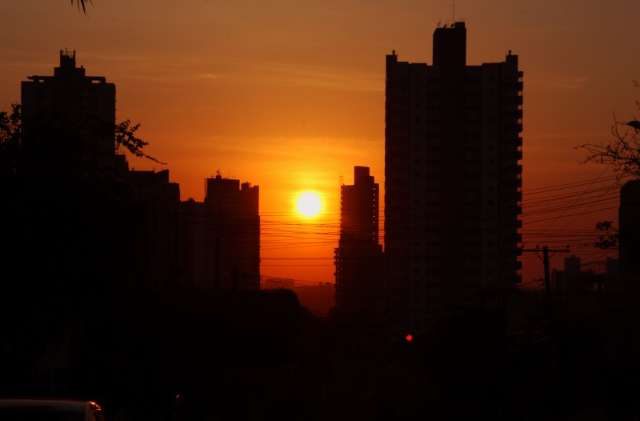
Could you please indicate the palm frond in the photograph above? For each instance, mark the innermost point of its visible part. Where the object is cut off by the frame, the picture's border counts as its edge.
(82, 4)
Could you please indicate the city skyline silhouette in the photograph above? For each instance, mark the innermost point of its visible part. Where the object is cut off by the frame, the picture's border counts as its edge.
(319, 142)
(318, 211)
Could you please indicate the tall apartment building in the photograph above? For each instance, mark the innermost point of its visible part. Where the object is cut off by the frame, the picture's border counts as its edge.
(108, 222)
(453, 178)
(358, 258)
(69, 120)
(221, 237)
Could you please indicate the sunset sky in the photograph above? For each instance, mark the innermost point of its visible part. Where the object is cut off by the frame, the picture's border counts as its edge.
(289, 94)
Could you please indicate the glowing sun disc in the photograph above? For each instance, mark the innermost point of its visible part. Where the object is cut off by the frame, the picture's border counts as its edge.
(309, 204)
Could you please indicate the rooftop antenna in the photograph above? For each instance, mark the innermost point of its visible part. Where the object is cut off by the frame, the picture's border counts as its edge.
(453, 10)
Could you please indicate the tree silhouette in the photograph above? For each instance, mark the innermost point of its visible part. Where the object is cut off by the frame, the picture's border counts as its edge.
(126, 138)
(609, 235)
(11, 139)
(622, 153)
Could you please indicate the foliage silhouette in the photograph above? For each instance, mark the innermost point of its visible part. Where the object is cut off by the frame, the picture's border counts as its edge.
(126, 137)
(609, 235)
(82, 4)
(11, 139)
(622, 153)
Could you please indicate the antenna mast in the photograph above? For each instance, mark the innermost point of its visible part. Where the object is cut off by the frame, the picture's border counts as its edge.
(453, 10)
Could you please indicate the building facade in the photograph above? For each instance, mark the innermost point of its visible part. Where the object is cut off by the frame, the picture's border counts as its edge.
(358, 258)
(573, 279)
(117, 225)
(453, 178)
(221, 237)
(153, 238)
(69, 120)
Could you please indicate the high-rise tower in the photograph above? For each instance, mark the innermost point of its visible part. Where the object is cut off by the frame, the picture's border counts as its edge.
(69, 120)
(453, 178)
(359, 255)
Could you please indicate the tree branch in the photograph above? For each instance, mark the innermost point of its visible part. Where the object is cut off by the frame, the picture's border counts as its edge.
(126, 137)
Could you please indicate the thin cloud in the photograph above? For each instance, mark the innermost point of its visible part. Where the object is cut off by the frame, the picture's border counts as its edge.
(312, 76)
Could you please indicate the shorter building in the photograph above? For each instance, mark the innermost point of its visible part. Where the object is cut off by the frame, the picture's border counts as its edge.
(359, 258)
(630, 233)
(155, 202)
(573, 279)
(193, 245)
(220, 238)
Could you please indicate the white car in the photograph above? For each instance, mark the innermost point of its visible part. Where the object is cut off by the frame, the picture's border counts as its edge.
(49, 410)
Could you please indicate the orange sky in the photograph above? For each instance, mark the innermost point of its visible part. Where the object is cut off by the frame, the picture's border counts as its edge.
(291, 96)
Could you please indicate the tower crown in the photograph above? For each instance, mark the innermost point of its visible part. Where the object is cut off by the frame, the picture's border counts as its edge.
(450, 46)
(68, 65)
(67, 59)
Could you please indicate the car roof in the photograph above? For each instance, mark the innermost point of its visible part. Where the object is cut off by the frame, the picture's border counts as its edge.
(63, 404)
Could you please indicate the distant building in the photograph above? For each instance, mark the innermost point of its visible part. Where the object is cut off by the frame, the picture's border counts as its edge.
(573, 279)
(358, 258)
(69, 121)
(278, 283)
(630, 233)
(220, 238)
(453, 179)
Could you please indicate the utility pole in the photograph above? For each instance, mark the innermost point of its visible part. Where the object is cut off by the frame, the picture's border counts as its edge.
(547, 271)
(547, 266)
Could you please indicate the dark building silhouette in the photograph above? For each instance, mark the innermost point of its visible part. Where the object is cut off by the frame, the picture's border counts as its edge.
(221, 237)
(630, 234)
(69, 121)
(358, 258)
(573, 279)
(154, 239)
(612, 273)
(453, 178)
(118, 225)
(194, 253)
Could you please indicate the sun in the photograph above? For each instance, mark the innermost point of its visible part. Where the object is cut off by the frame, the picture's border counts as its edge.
(308, 204)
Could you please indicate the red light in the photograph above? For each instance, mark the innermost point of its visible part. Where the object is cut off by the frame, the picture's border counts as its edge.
(409, 338)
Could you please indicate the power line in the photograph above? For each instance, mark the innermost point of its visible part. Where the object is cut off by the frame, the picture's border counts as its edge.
(570, 215)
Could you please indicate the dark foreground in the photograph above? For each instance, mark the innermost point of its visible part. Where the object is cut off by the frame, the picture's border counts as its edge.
(190, 355)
